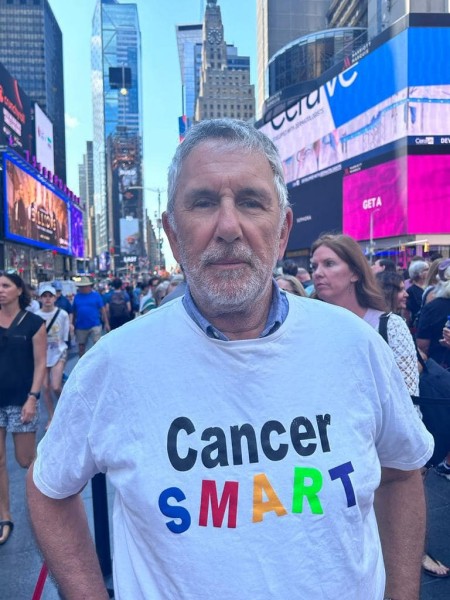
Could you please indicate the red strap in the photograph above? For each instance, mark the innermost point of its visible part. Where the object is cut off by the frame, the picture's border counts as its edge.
(37, 595)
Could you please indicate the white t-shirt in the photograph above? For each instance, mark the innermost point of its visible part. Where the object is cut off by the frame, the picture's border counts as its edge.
(57, 336)
(231, 480)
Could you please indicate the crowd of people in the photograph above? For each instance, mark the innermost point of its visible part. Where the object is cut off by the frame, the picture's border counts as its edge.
(221, 464)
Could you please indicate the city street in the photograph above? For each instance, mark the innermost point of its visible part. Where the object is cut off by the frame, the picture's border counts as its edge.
(20, 562)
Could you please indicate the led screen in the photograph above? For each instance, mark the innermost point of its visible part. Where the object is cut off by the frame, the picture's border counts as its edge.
(76, 231)
(428, 194)
(15, 114)
(390, 94)
(34, 213)
(129, 235)
(379, 191)
(44, 139)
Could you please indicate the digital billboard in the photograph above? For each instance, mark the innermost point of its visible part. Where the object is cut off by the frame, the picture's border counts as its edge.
(129, 235)
(44, 139)
(76, 231)
(15, 114)
(34, 213)
(375, 199)
(389, 95)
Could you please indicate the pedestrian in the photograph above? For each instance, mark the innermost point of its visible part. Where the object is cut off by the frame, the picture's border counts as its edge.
(23, 345)
(118, 307)
(231, 481)
(58, 327)
(89, 314)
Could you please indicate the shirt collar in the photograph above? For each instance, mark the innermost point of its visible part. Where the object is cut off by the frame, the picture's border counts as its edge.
(279, 308)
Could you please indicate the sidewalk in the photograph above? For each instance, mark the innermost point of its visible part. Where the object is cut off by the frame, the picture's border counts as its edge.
(20, 561)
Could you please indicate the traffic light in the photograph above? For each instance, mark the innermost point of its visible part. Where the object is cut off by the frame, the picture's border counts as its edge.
(426, 247)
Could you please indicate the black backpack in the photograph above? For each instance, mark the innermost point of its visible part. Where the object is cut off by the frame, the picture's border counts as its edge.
(118, 306)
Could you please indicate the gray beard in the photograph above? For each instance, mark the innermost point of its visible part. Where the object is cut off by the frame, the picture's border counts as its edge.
(229, 291)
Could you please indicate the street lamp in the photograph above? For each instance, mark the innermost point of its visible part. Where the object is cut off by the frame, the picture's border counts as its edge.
(371, 244)
(159, 191)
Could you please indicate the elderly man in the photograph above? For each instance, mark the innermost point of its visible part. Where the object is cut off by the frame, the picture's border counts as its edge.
(230, 481)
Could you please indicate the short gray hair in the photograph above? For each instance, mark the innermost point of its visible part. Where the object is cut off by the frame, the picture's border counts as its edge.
(416, 268)
(238, 134)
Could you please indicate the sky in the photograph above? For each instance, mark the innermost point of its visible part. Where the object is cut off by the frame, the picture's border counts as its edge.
(161, 83)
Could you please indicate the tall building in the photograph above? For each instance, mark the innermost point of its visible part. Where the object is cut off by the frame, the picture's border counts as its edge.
(279, 22)
(117, 143)
(31, 50)
(86, 183)
(225, 88)
(189, 42)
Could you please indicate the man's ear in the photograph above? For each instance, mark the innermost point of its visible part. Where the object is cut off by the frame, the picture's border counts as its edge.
(171, 235)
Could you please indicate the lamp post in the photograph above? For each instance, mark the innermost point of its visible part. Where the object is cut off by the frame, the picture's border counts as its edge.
(371, 244)
(158, 191)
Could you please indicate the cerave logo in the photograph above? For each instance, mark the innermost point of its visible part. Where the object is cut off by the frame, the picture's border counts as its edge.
(369, 203)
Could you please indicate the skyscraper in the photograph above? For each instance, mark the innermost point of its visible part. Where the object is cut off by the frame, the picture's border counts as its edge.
(279, 22)
(31, 50)
(86, 184)
(225, 89)
(117, 144)
(189, 42)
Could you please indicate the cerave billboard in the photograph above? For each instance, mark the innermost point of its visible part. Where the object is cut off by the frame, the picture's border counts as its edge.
(393, 93)
(409, 195)
(34, 213)
(45, 153)
(15, 114)
(317, 208)
(76, 231)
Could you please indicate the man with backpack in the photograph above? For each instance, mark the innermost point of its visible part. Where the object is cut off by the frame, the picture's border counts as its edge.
(118, 306)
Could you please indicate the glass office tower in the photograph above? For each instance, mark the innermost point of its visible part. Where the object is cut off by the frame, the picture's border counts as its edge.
(117, 144)
(31, 50)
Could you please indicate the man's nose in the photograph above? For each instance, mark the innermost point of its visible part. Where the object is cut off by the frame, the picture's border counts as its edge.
(228, 227)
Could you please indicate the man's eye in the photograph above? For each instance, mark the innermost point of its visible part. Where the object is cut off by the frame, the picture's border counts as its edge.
(203, 203)
(250, 203)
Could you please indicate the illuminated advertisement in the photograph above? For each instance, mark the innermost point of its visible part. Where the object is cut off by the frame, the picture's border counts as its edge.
(34, 213)
(15, 114)
(408, 195)
(428, 194)
(44, 139)
(129, 235)
(376, 199)
(389, 95)
(76, 231)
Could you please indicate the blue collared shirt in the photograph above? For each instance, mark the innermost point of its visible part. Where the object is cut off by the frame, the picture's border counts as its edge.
(278, 312)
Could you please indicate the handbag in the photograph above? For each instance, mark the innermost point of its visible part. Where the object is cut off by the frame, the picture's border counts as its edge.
(433, 399)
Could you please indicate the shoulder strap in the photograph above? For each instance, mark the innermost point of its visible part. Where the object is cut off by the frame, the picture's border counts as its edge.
(55, 316)
(382, 326)
(16, 321)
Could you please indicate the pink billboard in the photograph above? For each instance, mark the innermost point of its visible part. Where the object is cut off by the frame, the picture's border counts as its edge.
(379, 191)
(429, 194)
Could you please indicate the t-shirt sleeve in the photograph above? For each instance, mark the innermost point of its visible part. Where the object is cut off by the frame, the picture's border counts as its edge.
(65, 462)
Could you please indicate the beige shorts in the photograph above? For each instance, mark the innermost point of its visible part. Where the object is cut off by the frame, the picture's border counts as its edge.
(82, 335)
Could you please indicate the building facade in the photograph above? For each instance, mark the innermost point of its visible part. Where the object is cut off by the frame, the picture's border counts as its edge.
(31, 50)
(86, 185)
(189, 42)
(225, 88)
(117, 143)
(279, 22)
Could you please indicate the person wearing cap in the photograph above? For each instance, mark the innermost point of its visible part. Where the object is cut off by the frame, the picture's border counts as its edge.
(89, 314)
(64, 303)
(57, 325)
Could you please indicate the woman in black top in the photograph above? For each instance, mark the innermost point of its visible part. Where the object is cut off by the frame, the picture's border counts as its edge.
(23, 352)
